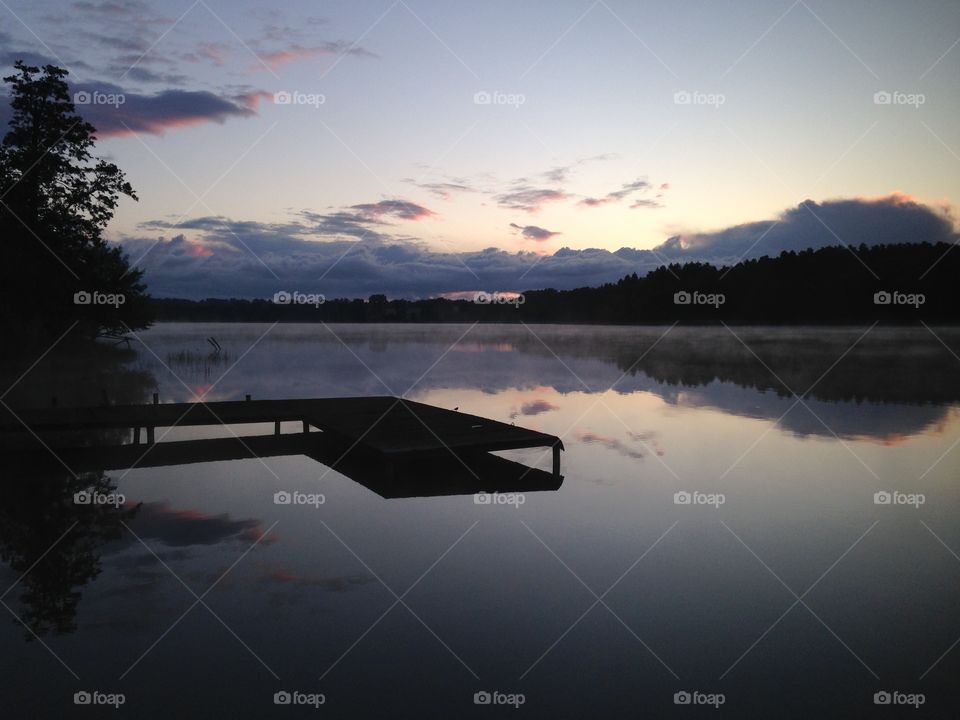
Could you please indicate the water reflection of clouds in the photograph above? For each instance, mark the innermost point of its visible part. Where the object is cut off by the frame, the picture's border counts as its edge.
(534, 407)
(611, 443)
(183, 527)
(857, 398)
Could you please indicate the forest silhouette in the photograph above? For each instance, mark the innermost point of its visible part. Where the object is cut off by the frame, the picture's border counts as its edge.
(896, 284)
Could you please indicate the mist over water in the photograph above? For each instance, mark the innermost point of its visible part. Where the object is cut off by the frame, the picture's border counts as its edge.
(765, 513)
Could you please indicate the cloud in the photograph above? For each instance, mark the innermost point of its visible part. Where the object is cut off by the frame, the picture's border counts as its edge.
(400, 209)
(529, 199)
(349, 253)
(296, 52)
(894, 218)
(627, 189)
(109, 8)
(532, 232)
(645, 203)
(557, 174)
(157, 113)
(443, 189)
(213, 52)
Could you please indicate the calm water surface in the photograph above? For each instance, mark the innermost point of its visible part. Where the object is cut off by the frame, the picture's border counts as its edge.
(783, 585)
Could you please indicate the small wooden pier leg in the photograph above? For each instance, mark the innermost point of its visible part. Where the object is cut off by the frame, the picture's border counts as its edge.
(150, 440)
(306, 426)
(556, 461)
(136, 435)
(276, 428)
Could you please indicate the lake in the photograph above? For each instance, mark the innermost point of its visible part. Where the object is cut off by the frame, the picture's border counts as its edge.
(752, 521)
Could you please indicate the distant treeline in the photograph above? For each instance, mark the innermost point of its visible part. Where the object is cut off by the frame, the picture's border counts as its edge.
(903, 283)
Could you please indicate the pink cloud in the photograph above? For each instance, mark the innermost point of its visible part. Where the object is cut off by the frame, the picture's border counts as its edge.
(400, 209)
(197, 250)
(298, 52)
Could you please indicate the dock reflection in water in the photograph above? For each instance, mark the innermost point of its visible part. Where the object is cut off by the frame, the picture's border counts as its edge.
(297, 592)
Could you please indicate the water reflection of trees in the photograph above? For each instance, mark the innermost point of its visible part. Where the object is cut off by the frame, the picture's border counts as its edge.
(53, 544)
(879, 369)
(75, 373)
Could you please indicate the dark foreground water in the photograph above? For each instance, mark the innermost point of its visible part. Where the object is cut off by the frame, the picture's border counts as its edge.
(762, 522)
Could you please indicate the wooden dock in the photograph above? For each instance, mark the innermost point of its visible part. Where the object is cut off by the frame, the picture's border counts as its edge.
(395, 429)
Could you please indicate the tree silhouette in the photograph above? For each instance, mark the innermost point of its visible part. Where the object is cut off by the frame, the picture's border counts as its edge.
(56, 198)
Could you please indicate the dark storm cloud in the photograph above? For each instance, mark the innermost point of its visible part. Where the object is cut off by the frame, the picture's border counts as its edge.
(347, 254)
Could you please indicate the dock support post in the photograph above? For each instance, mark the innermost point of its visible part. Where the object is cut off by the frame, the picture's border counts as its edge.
(136, 435)
(276, 428)
(156, 398)
(306, 426)
(248, 397)
(556, 460)
(150, 440)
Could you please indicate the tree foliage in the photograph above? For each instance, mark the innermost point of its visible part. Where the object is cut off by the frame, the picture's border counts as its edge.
(56, 199)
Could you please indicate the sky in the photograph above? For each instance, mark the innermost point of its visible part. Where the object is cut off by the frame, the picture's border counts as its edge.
(420, 147)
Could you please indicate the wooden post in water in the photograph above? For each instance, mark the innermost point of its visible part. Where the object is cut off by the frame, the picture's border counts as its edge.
(556, 460)
(306, 426)
(150, 439)
(156, 398)
(276, 428)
